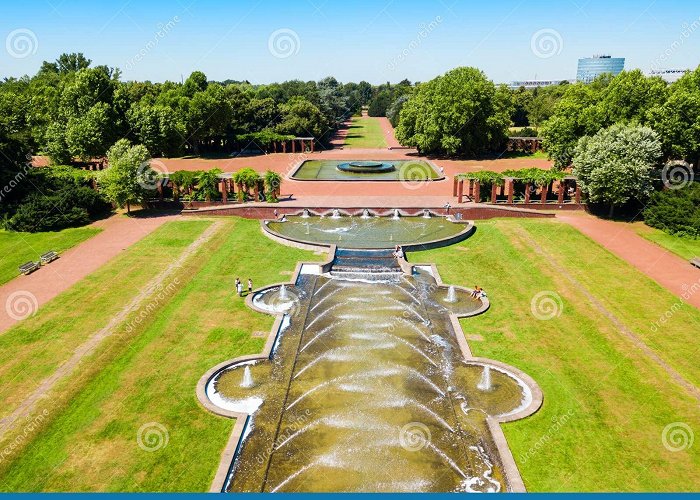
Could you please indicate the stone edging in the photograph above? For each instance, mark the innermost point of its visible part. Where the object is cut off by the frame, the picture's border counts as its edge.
(428, 245)
(295, 170)
(514, 482)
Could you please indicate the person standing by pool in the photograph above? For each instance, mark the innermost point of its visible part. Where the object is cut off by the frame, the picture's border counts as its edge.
(250, 286)
(239, 287)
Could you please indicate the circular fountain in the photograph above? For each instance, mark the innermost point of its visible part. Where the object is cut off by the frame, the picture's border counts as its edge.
(366, 167)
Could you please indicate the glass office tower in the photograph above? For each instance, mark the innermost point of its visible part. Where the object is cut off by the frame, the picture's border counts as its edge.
(591, 67)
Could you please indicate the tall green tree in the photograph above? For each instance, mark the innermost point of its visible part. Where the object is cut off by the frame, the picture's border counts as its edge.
(129, 178)
(615, 165)
(459, 113)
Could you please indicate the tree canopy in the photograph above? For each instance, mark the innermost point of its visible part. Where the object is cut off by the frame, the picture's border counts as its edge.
(461, 112)
(615, 165)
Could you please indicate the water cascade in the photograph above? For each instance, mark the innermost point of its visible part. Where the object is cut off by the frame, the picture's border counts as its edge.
(451, 295)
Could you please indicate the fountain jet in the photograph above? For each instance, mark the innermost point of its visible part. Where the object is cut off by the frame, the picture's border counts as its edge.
(485, 382)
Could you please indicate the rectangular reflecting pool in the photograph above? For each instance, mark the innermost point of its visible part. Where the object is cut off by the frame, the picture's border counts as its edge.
(332, 170)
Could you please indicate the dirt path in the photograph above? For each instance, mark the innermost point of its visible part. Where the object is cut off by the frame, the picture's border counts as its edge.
(91, 344)
(667, 269)
(118, 233)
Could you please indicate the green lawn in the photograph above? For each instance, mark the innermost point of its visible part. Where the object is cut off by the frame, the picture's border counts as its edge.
(365, 133)
(150, 375)
(683, 247)
(614, 401)
(18, 248)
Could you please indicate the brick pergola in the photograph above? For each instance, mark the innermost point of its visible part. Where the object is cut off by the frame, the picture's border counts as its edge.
(473, 191)
(281, 147)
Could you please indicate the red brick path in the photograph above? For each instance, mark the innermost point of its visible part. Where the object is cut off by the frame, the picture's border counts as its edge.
(667, 269)
(119, 232)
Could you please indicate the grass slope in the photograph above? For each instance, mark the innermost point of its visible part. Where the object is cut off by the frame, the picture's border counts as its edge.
(147, 377)
(18, 248)
(606, 404)
(686, 248)
(365, 133)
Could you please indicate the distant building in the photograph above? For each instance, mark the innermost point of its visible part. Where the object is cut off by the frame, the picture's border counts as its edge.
(669, 75)
(589, 68)
(535, 84)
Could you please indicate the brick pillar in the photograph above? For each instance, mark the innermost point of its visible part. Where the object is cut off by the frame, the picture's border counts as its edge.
(312, 145)
(477, 192)
(256, 193)
(560, 194)
(224, 191)
(511, 190)
(460, 191)
(578, 195)
(470, 188)
(294, 146)
(159, 187)
(455, 181)
(284, 146)
(494, 193)
(527, 192)
(543, 194)
(303, 150)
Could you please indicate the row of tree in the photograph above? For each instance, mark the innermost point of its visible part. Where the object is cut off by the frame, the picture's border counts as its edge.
(71, 109)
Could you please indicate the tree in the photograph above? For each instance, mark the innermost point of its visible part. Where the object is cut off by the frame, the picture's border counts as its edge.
(246, 179)
(615, 165)
(129, 177)
(208, 184)
(461, 112)
(66, 63)
(89, 135)
(676, 211)
(678, 119)
(157, 128)
(301, 118)
(273, 181)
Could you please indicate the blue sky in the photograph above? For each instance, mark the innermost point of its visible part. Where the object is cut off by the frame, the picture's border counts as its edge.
(378, 41)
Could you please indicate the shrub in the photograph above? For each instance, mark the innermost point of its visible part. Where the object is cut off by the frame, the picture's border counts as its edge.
(675, 211)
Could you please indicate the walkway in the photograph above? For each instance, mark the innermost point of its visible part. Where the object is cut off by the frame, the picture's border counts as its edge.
(388, 129)
(118, 233)
(91, 344)
(670, 271)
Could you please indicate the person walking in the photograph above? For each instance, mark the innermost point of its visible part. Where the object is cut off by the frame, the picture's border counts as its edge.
(239, 287)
